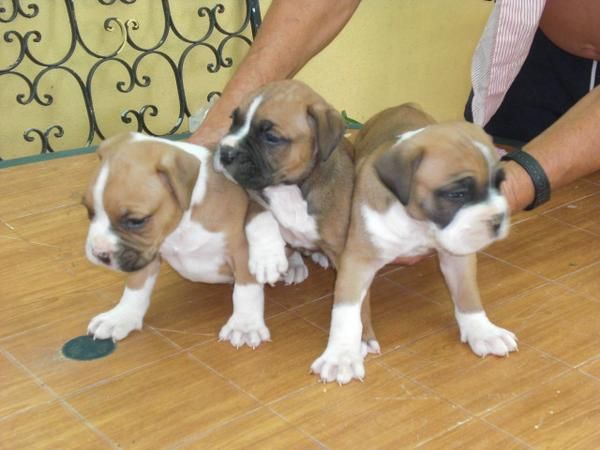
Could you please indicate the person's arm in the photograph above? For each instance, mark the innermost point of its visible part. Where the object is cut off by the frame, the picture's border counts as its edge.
(567, 150)
(290, 35)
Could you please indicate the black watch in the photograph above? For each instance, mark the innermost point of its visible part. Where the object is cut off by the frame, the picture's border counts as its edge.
(535, 171)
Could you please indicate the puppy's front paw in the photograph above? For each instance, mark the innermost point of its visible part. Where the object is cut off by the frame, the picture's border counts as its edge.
(483, 336)
(341, 365)
(268, 265)
(240, 330)
(116, 323)
(320, 259)
(297, 271)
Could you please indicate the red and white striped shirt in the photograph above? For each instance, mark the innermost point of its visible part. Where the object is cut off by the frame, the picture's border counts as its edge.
(501, 52)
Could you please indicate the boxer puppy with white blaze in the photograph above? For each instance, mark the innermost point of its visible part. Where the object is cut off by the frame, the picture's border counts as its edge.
(154, 199)
(286, 147)
(420, 186)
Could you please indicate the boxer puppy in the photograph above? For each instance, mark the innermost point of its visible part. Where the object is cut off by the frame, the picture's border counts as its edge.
(286, 147)
(420, 186)
(152, 198)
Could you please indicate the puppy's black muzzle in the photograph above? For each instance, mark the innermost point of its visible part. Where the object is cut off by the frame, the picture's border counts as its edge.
(228, 155)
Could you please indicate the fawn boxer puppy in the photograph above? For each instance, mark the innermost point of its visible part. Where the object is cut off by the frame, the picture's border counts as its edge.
(154, 199)
(420, 186)
(286, 147)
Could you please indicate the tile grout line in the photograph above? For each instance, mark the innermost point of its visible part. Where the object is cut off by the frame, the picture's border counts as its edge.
(298, 428)
(195, 436)
(470, 414)
(117, 377)
(249, 394)
(567, 203)
(61, 400)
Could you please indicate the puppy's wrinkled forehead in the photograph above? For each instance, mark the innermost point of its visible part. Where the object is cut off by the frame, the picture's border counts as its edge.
(131, 181)
(454, 150)
(283, 104)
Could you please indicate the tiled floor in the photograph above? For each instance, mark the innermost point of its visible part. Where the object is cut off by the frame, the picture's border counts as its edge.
(173, 385)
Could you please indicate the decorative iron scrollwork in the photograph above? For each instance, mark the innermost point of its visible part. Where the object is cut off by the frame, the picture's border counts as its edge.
(35, 91)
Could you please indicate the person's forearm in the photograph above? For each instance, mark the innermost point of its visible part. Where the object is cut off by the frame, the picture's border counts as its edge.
(290, 35)
(567, 150)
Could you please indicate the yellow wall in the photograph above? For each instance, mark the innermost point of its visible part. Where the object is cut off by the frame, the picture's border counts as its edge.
(392, 51)
(395, 51)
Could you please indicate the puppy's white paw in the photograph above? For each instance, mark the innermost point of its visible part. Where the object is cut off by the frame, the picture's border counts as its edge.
(483, 336)
(116, 323)
(241, 329)
(297, 271)
(268, 266)
(267, 260)
(370, 346)
(341, 365)
(320, 259)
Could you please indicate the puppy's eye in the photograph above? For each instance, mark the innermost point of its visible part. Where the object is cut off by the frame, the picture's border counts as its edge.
(458, 195)
(272, 138)
(134, 223)
(460, 192)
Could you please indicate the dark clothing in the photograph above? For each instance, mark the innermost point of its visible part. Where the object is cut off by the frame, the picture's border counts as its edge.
(550, 82)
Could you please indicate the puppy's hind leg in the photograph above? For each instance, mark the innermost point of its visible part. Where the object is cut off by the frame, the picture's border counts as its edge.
(484, 338)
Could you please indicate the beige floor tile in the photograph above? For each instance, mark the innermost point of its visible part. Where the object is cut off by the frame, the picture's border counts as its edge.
(592, 367)
(562, 413)
(40, 351)
(34, 188)
(21, 316)
(448, 366)
(260, 429)
(554, 320)
(7, 232)
(585, 281)
(583, 213)
(530, 242)
(497, 280)
(568, 194)
(40, 271)
(386, 411)
(275, 368)
(162, 404)
(18, 390)
(474, 435)
(398, 316)
(50, 426)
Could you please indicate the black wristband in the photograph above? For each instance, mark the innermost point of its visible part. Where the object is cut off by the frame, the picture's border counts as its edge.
(538, 177)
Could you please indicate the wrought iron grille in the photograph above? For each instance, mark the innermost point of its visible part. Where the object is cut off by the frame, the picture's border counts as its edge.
(33, 68)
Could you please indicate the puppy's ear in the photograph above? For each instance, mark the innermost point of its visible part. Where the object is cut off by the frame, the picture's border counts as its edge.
(397, 167)
(328, 127)
(179, 171)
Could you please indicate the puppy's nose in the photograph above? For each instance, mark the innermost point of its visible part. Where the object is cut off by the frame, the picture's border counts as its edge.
(228, 155)
(496, 222)
(103, 257)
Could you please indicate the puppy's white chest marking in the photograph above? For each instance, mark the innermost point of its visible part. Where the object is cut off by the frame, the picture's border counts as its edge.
(298, 227)
(394, 233)
(194, 252)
